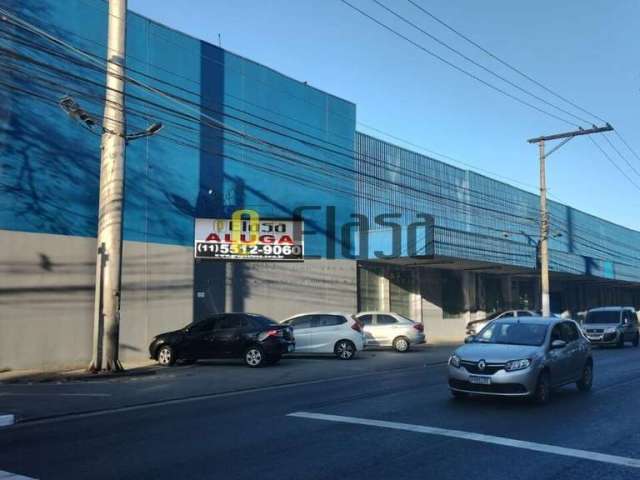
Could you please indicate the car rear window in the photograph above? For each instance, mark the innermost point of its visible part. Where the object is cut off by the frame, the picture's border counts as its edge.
(327, 320)
(261, 320)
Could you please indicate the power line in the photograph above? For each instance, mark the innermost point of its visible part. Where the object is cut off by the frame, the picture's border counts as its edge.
(621, 156)
(456, 67)
(350, 193)
(606, 155)
(358, 155)
(315, 184)
(483, 226)
(454, 160)
(503, 62)
(477, 64)
(633, 152)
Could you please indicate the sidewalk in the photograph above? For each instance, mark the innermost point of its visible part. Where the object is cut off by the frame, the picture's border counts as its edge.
(147, 367)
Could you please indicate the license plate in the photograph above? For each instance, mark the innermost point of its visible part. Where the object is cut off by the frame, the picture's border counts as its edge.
(594, 337)
(291, 348)
(479, 380)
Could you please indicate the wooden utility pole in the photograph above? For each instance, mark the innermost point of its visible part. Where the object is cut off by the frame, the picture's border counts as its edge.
(544, 216)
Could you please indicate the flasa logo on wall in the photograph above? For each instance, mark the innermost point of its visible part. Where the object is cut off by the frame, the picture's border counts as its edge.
(246, 236)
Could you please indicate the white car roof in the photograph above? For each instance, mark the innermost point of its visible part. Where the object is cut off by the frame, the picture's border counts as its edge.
(348, 315)
(375, 312)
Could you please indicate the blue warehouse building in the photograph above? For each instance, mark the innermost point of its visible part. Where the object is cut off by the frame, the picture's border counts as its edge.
(240, 136)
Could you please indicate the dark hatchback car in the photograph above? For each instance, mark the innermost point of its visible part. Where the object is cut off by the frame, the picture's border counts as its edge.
(256, 339)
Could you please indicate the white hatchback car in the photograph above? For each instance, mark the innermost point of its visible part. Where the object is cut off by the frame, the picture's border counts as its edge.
(333, 332)
(388, 329)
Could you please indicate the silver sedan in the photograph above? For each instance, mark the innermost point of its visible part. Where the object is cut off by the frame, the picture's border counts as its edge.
(388, 329)
(522, 357)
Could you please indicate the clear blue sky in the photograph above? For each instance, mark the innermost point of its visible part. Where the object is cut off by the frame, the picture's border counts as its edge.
(586, 50)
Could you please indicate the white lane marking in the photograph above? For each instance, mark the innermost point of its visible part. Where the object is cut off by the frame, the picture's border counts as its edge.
(7, 419)
(33, 394)
(13, 476)
(476, 437)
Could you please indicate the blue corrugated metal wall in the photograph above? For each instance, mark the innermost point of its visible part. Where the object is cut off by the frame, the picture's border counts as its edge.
(208, 162)
(195, 166)
(479, 218)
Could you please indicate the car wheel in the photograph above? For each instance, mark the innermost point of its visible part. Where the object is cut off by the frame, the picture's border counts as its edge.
(586, 380)
(458, 395)
(620, 342)
(345, 349)
(401, 344)
(254, 356)
(542, 393)
(636, 340)
(166, 356)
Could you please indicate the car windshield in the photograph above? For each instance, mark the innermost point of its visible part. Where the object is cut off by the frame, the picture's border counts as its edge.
(492, 316)
(603, 316)
(513, 333)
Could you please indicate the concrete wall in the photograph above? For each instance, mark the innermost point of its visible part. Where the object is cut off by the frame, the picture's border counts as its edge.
(47, 295)
(280, 290)
(47, 298)
(437, 328)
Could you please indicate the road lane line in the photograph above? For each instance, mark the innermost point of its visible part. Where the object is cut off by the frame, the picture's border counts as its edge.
(475, 437)
(7, 419)
(13, 476)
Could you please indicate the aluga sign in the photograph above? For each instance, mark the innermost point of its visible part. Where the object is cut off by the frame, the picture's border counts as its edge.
(252, 238)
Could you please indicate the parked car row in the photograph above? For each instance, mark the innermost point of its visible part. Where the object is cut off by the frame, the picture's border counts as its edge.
(259, 340)
(529, 355)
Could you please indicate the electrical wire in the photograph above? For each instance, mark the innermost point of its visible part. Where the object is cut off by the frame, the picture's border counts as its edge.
(606, 155)
(477, 64)
(458, 188)
(154, 66)
(503, 62)
(458, 68)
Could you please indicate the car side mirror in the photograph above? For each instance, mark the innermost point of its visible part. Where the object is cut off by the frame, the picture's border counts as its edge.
(469, 338)
(556, 344)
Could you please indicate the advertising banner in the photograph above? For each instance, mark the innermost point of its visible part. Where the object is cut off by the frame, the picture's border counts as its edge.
(253, 238)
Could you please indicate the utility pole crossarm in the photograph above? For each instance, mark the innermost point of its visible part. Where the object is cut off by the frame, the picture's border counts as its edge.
(575, 133)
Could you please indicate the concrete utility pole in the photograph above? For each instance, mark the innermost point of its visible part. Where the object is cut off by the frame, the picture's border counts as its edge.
(544, 216)
(112, 161)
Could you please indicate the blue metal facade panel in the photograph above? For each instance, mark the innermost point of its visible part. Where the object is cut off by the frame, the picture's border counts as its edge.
(479, 218)
(205, 162)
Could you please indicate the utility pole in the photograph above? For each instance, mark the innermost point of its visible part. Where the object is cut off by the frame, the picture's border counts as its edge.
(544, 216)
(112, 160)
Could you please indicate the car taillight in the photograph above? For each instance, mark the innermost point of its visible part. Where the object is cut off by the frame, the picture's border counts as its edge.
(419, 327)
(356, 326)
(274, 333)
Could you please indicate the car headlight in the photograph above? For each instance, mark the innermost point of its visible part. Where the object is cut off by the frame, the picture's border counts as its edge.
(454, 361)
(611, 330)
(517, 364)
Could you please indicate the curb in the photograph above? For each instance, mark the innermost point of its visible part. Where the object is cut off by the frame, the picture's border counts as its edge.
(6, 420)
(80, 377)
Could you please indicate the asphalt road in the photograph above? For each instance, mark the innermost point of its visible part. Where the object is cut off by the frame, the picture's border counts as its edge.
(339, 431)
